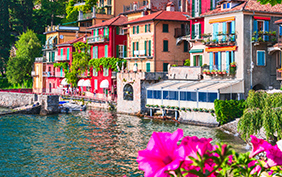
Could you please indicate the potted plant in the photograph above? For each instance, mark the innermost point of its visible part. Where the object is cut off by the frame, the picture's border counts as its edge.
(213, 71)
(233, 68)
(273, 39)
(195, 109)
(206, 110)
(260, 39)
(189, 109)
(224, 72)
(162, 106)
(273, 33)
(177, 108)
(204, 71)
(260, 32)
(182, 109)
(208, 72)
(253, 39)
(266, 33)
(254, 33)
(147, 105)
(156, 106)
(211, 111)
(219, 72)
(201, 110)
(172, 107)
(168, 107)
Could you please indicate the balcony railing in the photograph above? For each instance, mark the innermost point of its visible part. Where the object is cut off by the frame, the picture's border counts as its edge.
(179, 32)
(220, 40)
(98, 39)
(59, 74)
(62, 58)
(49, 74)
(264, 37)
(279, 74)
(40, 59)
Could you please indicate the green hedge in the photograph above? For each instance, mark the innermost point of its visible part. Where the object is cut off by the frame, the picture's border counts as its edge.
(228, 110)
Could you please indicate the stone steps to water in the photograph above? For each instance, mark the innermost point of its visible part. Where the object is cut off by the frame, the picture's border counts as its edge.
(23, 110)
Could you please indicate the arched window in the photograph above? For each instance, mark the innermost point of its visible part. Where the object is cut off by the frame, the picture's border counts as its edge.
(128, 92)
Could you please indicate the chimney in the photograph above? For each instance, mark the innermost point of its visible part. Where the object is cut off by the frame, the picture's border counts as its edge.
(170, 6)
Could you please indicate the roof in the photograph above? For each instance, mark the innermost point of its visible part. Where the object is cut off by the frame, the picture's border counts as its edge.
(116, 21)
(162, 15)
(80, 39)
(278, 22)
(248, 5)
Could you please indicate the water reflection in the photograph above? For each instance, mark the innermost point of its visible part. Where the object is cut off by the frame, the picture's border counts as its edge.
(92, 143)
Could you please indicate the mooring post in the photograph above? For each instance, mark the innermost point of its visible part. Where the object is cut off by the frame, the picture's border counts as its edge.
(151, 112)
(175, 115)
(162, 112)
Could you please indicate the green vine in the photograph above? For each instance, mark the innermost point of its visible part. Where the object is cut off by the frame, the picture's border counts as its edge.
(106, 62)
(63, 65)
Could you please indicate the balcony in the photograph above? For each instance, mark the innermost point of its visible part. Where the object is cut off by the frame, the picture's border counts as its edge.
(97, 39)
(279, 74)
(220, 41)
(49, 74)
(62, 58)
(179, 32)
(141, 54)
(264, 37)
(40, 59)
(86, 16)
(59, 74)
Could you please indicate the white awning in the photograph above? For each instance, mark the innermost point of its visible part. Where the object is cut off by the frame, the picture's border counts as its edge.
(64, 82)
(80, 83)
(86, 83)
(104, 84)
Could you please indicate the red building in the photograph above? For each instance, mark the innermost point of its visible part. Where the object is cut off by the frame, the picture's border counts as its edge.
(56, 81)
(107, 40)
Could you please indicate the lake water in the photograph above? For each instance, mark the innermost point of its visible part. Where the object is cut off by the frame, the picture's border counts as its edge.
(91, 143)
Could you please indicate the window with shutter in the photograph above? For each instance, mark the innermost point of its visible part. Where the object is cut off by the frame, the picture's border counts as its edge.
(68, 53)
(137, 29)
(165, 45)
(165, 28)
(260, 58)
(117, 29)
(95, 72)
(106, 51)
(193, 31)
(150, 49)
(133, 30)
(62, 53)
(185, 46)
(149, 27)
(145, 47)
(145, 28)
(148, 67)
(121, 51)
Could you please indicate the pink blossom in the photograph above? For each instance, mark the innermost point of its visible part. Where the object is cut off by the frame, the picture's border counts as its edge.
(194, 145)
(257, 168)
(274, 155)
(162, 154)
(259, 145)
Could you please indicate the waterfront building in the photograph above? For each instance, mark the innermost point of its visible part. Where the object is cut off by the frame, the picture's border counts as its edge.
(54, 35)
(107, 40)
(232, 58)
(152, 46)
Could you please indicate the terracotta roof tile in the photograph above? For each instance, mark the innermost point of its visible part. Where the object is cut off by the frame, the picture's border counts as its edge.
(80, 39)
(118, 20)
(278, 22)
(248, 5)
(162, 15)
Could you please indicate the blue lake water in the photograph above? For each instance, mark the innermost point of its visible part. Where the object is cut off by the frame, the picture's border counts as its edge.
(91, 143)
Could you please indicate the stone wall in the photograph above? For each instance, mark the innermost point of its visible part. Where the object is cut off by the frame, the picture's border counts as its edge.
(50, 103)
(198, 118)
(12, 100)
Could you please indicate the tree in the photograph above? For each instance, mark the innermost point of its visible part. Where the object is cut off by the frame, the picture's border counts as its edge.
(72, 11)
(80, 59)
(263, 111)
(271, 2)
(28, 47)
(5, 35)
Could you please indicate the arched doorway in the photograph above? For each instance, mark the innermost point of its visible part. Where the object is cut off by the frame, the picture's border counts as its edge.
(128, 92)
(259, 87)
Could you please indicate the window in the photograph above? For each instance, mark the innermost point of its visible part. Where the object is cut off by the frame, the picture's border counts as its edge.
(188, 96)
(95, 84)
(121, 31)
(68, 53)
(165, 67)
(121, 51)
(207, 97)
(154, 94)
(165, 46)
(128, 92)
(95, 72)
(137, 29)
(148, 67)
(165, 28)
(185, 45)
(226, 6)
(260, 26)
(170, 95)
(146, 28)
(105, 71)
(106, 51)
(197, 31)
(133, 30)
(149, 27)
(260, 58)
(95, 52)
(197, 8)
(197, 60)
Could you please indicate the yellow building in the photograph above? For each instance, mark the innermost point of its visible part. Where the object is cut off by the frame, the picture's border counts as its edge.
(152, 41)
(39, 85)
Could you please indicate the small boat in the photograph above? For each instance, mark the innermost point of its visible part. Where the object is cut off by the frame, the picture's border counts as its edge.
(69, 107)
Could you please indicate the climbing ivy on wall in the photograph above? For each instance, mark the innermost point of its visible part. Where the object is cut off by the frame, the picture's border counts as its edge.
(263, 111)
(107, 62)
(63, 65)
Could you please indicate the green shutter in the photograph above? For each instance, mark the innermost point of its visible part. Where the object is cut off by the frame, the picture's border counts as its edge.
(200, 7)
(133, 32)
(148, 67)
(200, 30)
(194, 61)
(62, 53)
(108, 31)
(150, 50)
(133, 49)
(149, 27)
(68, 53)
(106, 51)
(117, 30)
(104, 31)
(165, 28)
(145, 47)
(137, 29)
(165, 67)
(117, 49)
(165, 47)
(53, 56)
(185, 46)
(137, 47)
(211, 5)
(193, 8)
(145, 28)
(124, 51)
(201, 60)
(193, 31)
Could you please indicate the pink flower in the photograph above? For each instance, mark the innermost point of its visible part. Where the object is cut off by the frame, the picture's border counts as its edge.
(259, 145)
(162, 154)
(192, 145)
(257, 168)
(274, 155)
